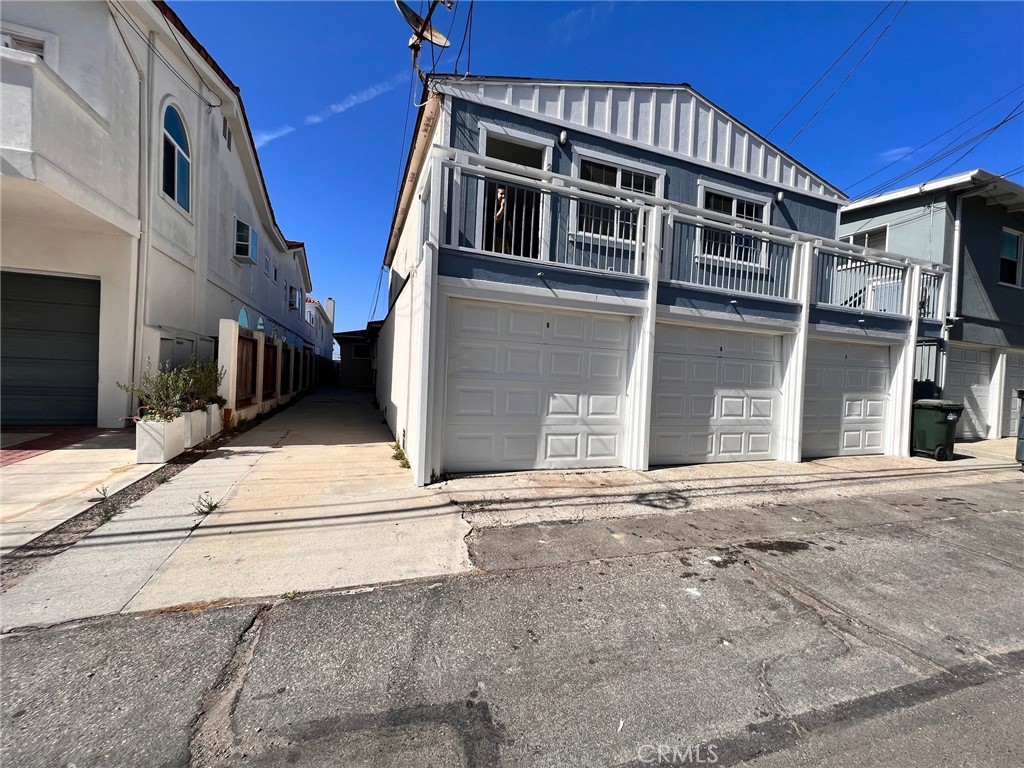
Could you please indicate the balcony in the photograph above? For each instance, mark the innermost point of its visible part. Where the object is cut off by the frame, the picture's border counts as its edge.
(531, 216)
(55, 137)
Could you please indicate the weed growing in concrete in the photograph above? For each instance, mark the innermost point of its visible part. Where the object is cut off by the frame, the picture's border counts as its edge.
(103, 491)
(399, 456)
(204, 505)
(290, 595)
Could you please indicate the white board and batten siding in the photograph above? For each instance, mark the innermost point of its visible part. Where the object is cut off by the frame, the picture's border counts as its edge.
(968, 380)
(1011, 403)
(716, 395)
(671, 119)
(533, 388)
(846, 392)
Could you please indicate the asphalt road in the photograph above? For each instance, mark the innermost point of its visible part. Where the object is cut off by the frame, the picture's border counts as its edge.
(895, 639)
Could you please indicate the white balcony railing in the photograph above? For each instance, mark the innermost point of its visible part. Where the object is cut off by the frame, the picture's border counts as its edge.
(507, 214)
(847, 280)
(729, 257)
(527, 214)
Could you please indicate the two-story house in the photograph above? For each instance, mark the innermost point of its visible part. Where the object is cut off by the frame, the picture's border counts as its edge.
(973, 223)
(623, 274)
(320, 318)
(135, 213)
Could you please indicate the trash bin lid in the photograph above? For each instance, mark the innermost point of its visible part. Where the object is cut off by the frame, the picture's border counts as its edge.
(939, 405)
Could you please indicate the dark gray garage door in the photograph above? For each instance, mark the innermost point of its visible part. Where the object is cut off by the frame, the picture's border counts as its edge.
(49, 349)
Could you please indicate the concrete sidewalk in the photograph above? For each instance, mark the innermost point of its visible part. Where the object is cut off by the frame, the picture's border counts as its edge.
(41, 492)
(309, 500)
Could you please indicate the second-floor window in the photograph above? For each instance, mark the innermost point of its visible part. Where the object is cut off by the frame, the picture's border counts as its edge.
(723, 243)
(869, 238)
(607, 220)
(177, 166)
(1011, 258)
(247, 243)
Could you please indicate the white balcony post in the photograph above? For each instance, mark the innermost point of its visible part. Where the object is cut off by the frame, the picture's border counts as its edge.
(901, 391)
(996, 394)
(794, 355)
(637, 452)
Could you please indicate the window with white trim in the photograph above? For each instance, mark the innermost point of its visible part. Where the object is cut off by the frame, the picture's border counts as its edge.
(869, 238)
(1011, 259)
(594, 218)
(177, 165)
(18, 42)
(725, 244)
(225, 131)
(294, 298)
(247, 243)
(266, 264)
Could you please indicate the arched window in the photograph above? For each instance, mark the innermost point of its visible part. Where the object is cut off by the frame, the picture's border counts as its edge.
(243, 318)
(261, 324)
(177, 165)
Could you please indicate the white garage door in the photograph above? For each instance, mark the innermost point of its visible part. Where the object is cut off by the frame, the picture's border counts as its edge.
(1011, 404)
(968, 372)
(533, 389)
(845, 396)
(715, 396)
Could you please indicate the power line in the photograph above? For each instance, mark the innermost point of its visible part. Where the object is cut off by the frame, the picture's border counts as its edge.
(942, 155)
(932, 141)
(465, 36)
(830, 68)
(851, 73)
(985, 137)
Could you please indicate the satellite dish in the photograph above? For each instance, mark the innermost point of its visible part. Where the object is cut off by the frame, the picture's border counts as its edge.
(421, 29)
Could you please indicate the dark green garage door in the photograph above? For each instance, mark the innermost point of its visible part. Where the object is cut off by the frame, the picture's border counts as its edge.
(49, 349)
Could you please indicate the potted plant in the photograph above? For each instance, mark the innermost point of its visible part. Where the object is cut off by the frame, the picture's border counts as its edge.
(159, 425)
(193, 401)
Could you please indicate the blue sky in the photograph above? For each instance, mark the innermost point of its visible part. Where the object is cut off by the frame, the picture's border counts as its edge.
(327, 86)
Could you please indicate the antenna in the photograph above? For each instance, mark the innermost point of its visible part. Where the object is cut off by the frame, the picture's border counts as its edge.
(421, 30)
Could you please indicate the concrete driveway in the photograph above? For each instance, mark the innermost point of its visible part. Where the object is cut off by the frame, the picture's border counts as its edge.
(310, 499)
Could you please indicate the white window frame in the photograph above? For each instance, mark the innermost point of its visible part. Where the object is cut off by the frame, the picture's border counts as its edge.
(703, 187)
(1020, 257)
(293, 291)
(849, 238)
(620, 163)
(251, 257)
(176, 204)
(266, 262)
(532, 140)
(50, 41)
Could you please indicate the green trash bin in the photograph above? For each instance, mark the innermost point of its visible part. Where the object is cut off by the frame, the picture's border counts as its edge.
(934, 427)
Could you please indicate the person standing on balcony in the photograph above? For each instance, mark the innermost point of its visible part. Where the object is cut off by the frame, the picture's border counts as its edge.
(502, 223)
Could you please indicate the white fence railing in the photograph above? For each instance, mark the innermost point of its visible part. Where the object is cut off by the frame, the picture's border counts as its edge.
(852, 282)
(497, 208)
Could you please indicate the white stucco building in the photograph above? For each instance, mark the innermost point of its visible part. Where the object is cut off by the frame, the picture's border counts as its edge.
(135, 214)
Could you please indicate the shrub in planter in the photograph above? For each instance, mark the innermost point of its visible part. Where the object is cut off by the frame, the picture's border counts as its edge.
(160, 428)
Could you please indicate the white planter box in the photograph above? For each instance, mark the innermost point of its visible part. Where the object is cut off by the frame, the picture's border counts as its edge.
(157, 442)
(195, 428)
(214, 420)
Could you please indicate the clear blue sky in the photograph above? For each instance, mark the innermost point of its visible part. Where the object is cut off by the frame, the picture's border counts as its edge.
(332, 176)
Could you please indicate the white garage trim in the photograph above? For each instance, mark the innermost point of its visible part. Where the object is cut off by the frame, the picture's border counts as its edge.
(716, 395)
(846, 398)
(534, 388)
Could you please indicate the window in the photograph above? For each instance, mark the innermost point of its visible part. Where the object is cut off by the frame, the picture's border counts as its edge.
(609, 220)
(869, 238)
(266, 263)
(726, 244)
(1011, 259)
(177, 166)
(22, 43)
(294, 298)
(361, 351)
(225, 131)
(247, 243)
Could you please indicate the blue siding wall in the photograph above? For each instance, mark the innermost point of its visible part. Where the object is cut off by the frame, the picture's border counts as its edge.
(797, 212)
(674, 295)
(546, 275)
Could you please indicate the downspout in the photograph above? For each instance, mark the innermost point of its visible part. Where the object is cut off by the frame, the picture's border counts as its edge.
(145, 201)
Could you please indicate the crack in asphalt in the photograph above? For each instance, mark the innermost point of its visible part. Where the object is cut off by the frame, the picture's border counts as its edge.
(213, 741)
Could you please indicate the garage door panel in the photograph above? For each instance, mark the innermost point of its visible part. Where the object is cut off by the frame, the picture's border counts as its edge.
(49, 350)
(845, 395)
(716, 397)
(968, 374)
(1011, 403)
(555, 399)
